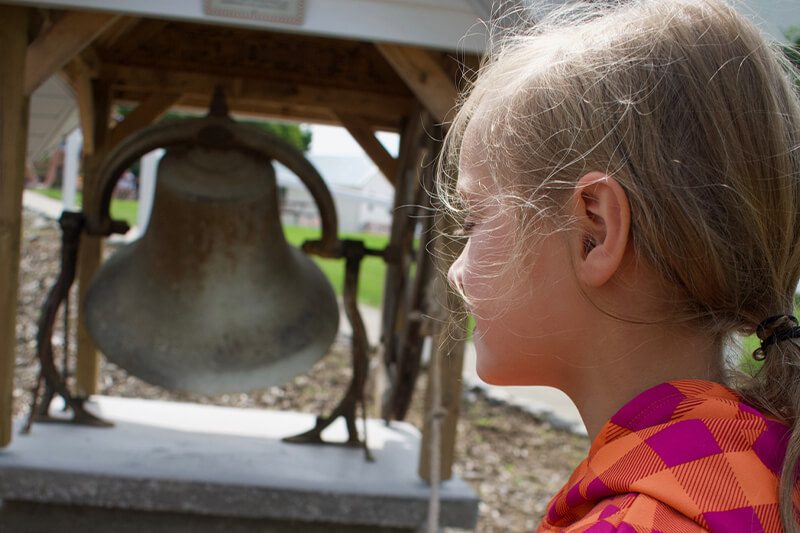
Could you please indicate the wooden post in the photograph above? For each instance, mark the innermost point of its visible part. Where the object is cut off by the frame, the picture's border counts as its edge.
(401, 240)
(94, 98)
(448, 356)
(87, 367)
(13, 137)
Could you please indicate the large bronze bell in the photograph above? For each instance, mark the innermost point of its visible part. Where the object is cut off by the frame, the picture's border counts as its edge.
(212, 299)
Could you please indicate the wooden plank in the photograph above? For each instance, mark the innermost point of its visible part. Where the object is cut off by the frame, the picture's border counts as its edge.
(144, 115)
(119, 32)
(275, 110)
(289, 58)
(13, 134)
(144, 31)
(424, 74)
(145, 80)
(59, 43)
(94, 114)
(361, 131)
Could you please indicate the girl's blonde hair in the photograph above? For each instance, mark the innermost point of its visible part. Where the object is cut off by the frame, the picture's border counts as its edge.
(698, 119)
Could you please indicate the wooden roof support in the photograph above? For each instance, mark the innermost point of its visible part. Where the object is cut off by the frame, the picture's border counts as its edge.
(13, 136)
(276, 110)
(145, 114)
(425, 76)
(84, 86)
(118, 32)
(386, 108)
(260, 109)
(62, 41)
(363, 134)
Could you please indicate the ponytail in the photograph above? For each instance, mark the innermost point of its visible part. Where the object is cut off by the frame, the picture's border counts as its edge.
(775, 390)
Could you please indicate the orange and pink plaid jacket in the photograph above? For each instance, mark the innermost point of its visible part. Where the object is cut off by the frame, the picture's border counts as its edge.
(683, 456)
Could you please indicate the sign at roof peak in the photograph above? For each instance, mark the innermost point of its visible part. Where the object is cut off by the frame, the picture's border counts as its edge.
(452, 25)
(283, 11)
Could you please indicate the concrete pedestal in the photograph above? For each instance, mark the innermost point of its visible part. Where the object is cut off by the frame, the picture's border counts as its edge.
(168, 466)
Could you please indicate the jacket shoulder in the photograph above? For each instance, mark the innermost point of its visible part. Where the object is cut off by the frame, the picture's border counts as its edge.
(632, 513)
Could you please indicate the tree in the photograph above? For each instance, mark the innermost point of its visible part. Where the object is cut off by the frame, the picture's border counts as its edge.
(299, 136)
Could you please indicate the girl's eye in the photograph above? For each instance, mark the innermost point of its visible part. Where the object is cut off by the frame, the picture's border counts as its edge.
(465, 228)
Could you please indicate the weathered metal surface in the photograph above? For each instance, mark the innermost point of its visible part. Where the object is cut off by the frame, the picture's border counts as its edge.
(353, 252)
(212, 299)
(55, 382)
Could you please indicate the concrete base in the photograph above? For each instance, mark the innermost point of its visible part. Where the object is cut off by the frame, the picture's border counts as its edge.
(20, 517)
(207, 468)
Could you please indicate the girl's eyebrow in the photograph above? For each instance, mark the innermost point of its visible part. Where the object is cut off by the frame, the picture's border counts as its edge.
(464, 192)
(465, 196)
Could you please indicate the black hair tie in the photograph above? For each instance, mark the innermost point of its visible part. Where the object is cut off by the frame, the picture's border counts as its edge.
(773, 330)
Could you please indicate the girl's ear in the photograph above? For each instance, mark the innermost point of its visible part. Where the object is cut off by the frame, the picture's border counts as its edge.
(604, 218)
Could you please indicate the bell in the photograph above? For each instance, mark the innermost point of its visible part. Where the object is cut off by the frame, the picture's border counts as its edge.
(212, 299)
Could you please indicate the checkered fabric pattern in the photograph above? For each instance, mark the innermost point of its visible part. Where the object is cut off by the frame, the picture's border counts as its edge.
(684, 456)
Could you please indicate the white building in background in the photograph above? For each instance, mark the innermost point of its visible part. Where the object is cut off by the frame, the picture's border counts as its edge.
(362, 195)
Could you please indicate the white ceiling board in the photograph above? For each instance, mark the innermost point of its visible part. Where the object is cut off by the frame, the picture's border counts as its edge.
(442, 24)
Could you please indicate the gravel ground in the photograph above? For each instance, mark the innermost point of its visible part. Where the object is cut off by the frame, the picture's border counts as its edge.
(514, 461)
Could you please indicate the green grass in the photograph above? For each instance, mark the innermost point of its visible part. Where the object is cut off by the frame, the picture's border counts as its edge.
(127, 210)
(373, 269)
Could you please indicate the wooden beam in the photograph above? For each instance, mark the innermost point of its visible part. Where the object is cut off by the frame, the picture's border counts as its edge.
(82, 84)
(144, 115)
(118, 32)
(392, 108)
(62, 41)
(276, 110)
(175, 46)
(425, 76)
(13, 135)
(144, 30)
(361, 131)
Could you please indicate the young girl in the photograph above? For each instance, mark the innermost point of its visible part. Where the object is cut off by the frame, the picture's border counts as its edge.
(628, 178)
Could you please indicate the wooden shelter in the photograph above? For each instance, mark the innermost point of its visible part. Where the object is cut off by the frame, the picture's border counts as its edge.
(361, 64)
